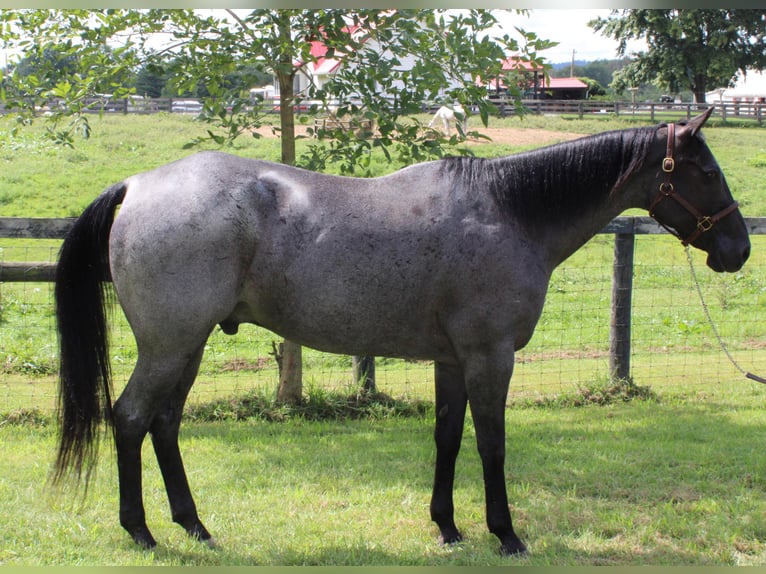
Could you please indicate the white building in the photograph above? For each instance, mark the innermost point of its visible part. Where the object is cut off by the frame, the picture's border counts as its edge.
(750, 88)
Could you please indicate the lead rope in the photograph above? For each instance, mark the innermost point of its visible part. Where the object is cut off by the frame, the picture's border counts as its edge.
(737, 366)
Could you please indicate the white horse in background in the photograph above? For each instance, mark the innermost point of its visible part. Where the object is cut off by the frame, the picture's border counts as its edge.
(447, 114)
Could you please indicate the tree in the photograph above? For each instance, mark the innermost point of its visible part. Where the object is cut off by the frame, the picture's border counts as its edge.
(445, 56)
(600, 71)
(150, 81)
(687, 48)
(594, 88)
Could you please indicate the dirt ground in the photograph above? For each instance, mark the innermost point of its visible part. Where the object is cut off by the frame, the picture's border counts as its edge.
(527, 136)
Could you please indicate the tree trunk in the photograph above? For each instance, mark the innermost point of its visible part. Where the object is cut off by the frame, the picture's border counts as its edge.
(698, 89)
(364, 372)
(290, 367)
(290, 361)
(287, 118)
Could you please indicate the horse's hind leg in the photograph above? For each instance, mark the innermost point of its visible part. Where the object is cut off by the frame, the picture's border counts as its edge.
(164, 433)
(153, 382)
(450, 416)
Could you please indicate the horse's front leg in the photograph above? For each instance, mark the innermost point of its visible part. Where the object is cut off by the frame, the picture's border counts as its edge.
(487, 380)
(451, 402)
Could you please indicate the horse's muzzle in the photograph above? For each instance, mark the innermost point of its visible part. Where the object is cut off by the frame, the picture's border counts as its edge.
(728, 261)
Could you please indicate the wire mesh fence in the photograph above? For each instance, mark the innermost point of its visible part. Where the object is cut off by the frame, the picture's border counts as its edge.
(673, 348)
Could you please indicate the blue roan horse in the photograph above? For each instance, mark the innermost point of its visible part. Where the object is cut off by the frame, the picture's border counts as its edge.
(448, 261)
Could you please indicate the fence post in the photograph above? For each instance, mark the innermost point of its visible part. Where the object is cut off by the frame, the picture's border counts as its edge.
(622, 292)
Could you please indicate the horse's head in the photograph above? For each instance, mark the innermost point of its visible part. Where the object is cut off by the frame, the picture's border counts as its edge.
(692, 200)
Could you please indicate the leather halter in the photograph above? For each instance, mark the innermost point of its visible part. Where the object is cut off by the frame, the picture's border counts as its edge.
(667, 190)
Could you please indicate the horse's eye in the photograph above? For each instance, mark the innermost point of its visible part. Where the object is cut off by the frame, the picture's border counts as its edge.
(712, 174)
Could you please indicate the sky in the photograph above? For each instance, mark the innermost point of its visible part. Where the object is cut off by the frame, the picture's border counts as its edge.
(569, 27)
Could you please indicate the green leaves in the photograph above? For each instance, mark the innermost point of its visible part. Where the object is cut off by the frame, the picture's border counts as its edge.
(688, 48)
(391, 66)
(411, 61)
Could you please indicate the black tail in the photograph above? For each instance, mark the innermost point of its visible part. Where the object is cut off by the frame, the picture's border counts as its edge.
(84, 397)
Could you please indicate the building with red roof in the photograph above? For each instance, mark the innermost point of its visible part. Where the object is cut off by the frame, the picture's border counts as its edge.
(535, 85)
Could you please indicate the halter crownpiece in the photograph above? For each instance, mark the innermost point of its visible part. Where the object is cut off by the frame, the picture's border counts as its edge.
(667, 190)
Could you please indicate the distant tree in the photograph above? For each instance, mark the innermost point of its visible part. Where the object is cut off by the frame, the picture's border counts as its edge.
(233, 85)
(150, 81)
(602, 70)
(594, 88)
(691, 49)
(47, 66)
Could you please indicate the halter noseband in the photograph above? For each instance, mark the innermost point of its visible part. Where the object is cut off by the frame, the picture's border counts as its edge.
(667, 190)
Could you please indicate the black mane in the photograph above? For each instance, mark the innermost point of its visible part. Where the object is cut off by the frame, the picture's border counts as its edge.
(561, 180)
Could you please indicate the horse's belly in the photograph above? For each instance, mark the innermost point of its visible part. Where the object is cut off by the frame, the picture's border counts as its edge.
(381, 330)
(348, 309)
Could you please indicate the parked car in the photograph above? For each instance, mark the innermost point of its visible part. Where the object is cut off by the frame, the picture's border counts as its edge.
(186, 106)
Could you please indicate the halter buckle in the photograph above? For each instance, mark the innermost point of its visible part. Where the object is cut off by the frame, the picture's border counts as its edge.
(705, 224)
(666, 188)
(668, 165)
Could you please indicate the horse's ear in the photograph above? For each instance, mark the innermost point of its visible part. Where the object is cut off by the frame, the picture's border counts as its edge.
(695, 124)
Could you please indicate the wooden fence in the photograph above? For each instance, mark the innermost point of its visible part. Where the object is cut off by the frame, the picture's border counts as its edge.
(625, 230)
(749, 112)
(651, 111)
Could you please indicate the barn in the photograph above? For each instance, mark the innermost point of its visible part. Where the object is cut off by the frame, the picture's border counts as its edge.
(534, 84)
(750, 88)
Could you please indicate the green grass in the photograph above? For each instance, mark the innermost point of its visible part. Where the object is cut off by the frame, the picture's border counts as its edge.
(661, 483)
(40, 179)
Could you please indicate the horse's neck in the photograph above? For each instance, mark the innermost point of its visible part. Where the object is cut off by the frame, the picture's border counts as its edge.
(562, 239)
(567, 231)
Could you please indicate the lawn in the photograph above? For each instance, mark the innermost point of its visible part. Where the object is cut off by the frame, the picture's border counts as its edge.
(660, 483)
(674, 480)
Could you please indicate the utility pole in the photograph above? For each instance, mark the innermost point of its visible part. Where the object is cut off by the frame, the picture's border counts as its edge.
(571, 68)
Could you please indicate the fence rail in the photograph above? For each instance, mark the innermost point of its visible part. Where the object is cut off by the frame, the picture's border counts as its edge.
(653, 111)
(625, 230)
(57, 228)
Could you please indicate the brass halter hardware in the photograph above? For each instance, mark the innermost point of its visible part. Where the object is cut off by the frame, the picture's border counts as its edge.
(667, 190)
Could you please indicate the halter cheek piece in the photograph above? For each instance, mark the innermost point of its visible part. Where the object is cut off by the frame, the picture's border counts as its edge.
(667, 191)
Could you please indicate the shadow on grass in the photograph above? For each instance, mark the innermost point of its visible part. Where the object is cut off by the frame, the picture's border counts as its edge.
(630, 483)
(649, 483)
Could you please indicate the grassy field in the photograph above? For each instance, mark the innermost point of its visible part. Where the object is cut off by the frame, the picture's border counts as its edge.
(668, 483)
(676, 480)
(43, 180)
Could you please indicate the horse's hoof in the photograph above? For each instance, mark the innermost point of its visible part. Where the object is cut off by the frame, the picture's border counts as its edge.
(196, 530)
(513, 548)
(211, 543)
(450, 536)
(143, 538)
